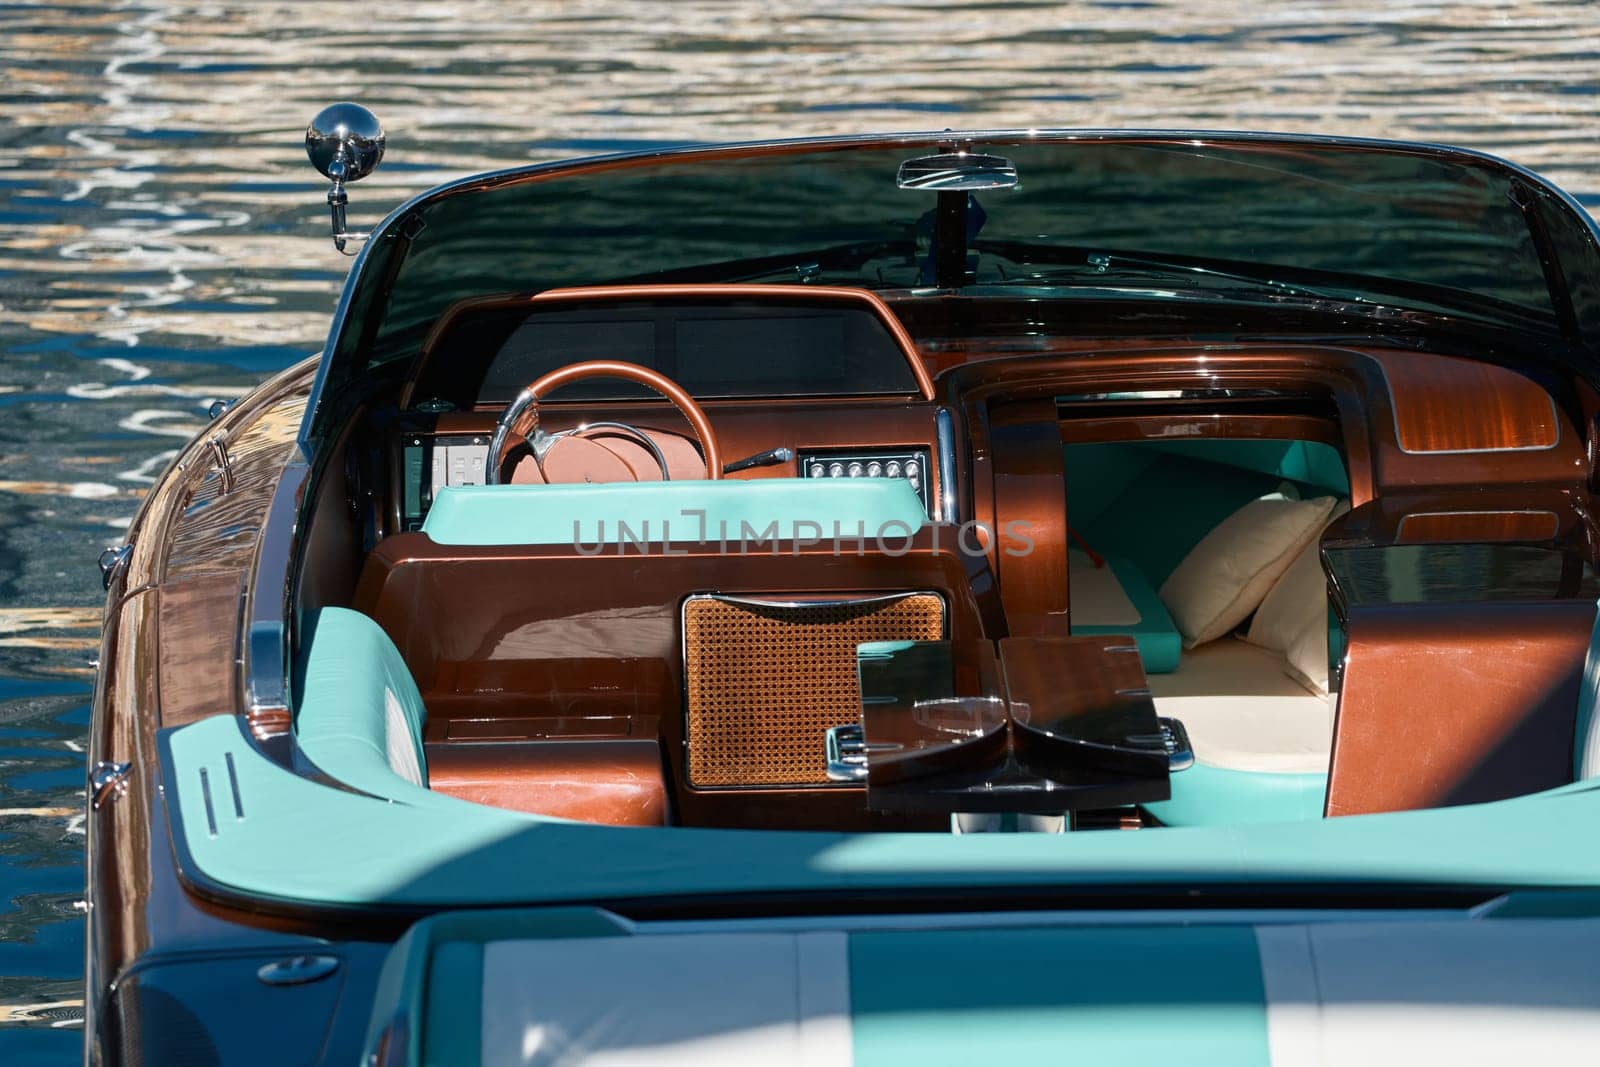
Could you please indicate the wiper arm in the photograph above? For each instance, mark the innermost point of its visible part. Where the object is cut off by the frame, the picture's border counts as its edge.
(803, 266)
(1121, 264)
(1066, 262)
(1105, 262)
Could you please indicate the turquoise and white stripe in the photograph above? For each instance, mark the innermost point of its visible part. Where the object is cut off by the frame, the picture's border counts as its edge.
(1331, 994)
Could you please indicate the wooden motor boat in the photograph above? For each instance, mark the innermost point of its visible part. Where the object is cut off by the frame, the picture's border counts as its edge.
(962, 597)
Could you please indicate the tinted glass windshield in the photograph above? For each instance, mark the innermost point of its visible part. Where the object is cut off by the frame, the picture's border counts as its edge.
(1410, 228)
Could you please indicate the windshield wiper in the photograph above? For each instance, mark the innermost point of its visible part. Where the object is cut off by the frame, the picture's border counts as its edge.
(1041, 263)
(1105, 262)
(1119, 264)
(804, 266)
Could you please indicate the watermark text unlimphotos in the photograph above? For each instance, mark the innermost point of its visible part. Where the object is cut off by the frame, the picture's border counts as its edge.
(895, 537)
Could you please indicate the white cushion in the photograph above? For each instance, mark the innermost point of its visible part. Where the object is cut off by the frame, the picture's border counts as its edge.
(399, 747)
(1242, 712)
(1098, 598)
(1227, 575)
(1293, 619)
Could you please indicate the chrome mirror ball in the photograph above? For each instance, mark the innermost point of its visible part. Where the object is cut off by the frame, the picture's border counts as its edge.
(345, 142)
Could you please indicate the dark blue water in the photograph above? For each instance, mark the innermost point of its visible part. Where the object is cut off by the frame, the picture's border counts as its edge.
(162, 238)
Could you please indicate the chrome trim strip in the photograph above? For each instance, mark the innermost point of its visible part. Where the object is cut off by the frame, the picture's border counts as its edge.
(820, 602)
(978, 920)
(264, 657)
(945, 433)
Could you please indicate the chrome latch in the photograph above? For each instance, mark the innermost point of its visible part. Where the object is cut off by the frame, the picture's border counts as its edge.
(106, 781)
(847, 749)
(1175, 739)
(297, 970)
(112, 561)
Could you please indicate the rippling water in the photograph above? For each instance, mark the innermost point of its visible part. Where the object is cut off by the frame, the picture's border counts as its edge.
(162, 238)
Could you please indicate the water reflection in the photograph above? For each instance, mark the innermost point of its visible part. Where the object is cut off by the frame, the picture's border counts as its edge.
(162, 239)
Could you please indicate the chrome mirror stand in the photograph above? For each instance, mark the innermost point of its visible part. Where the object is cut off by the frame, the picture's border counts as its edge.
(345, 142)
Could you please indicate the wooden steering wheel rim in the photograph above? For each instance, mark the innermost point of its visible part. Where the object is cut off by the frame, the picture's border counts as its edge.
(526, 423)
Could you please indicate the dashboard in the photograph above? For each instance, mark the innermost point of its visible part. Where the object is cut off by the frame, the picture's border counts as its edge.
(799, 382)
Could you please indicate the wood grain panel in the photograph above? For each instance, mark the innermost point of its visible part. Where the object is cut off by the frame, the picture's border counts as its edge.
(1030, 489)
(1443, 404)
(1437, 527)
(615, 782)
(1456, 704)
(198, 620)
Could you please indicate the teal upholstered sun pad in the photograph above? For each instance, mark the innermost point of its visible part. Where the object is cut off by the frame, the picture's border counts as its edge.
(1160, 643)
(1139, 996)
(351, 683)
(1221, 796)
(1128, 996)
(733, 510)
(292, 839)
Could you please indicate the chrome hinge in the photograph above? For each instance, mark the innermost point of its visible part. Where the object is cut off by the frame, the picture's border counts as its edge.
(846, 751)
(112, 561)
(106, 781)
(846, 748)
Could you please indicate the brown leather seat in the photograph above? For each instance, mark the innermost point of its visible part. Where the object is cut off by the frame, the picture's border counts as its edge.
(485, 626)
(498, 636)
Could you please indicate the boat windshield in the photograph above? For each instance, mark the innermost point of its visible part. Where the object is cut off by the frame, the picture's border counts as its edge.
(1411, 227)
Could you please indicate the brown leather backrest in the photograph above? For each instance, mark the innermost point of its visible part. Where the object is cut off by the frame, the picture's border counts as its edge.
(480, 624)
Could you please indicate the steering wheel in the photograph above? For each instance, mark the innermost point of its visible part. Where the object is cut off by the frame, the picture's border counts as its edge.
(520, 420)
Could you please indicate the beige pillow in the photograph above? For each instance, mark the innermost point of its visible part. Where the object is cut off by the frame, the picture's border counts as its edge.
(1227, 575)
(1299, 599)
(1293, 619)
(1306, 658)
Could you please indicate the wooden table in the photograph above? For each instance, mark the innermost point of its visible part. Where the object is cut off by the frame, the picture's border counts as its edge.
(1036, 725)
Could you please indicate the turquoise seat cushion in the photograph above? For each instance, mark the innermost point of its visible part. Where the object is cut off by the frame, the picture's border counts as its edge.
(733, 511)
(1220, 796)
(358, 715)
(1160, 643)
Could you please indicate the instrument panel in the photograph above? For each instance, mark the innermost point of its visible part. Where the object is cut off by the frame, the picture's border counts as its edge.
(912, 464)
(428, 463)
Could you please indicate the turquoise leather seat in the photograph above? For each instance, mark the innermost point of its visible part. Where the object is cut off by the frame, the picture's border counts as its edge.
(755, 510)
(358, 714)
(1224, 796)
